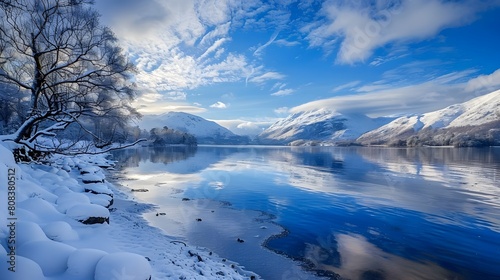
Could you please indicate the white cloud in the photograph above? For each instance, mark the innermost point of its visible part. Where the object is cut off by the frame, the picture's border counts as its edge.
(423, 97)
(281, 110)
(175, 95)
(286, 43)
(179, 45)
(246, 127)
(484, 82)
(153, 102)
(178, 71)
(218, 105)
(249, 127)
(360, 28)
(260, 49)
(161, 107)
(268, 76)
(375, 87)
(228, 96)
(149, 97)
(218, 32)
(349, 85)
(278, 85)
(214, 12)
(283, 92)
(213, 48)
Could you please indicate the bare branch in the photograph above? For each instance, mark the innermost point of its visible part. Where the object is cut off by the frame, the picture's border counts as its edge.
(71, 65)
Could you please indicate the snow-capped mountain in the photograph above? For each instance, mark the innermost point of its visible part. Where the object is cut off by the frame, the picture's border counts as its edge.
(479, 114)
(206, 132)
(320, 125)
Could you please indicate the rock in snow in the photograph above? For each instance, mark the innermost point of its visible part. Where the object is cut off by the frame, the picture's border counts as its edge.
(89, 213)
(92, 178)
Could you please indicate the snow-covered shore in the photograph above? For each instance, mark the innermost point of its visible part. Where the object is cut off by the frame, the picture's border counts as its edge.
(58, 223)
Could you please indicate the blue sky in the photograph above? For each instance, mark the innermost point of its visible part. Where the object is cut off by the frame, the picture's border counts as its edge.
(245, 64)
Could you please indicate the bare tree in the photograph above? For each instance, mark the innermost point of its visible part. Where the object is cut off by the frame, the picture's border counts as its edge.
(71, 66)
(13, 107)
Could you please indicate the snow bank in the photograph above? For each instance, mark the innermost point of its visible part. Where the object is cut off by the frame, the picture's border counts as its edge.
(30, 270)
(50, 255)
(60, 231)
(28, 232)
(70, 199)
(82, 264)
(123, 266)
(54, 238)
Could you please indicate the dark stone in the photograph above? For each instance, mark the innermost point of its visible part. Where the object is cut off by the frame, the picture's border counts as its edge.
(94, 220)
(95, 192)
(240, 240)
(110, 203)
(372, 275)
(195, 254)
(92, 181)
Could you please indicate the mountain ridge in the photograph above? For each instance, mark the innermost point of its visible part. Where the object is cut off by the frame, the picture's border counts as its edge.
(205, 131)
(452, 125)
(321, 126)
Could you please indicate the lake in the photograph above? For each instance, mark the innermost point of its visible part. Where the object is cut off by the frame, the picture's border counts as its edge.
(347, 212)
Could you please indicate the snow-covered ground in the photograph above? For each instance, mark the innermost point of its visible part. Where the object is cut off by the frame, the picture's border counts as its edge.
(55, 226)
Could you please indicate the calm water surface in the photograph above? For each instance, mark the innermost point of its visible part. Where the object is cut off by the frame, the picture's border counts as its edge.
(360, 213)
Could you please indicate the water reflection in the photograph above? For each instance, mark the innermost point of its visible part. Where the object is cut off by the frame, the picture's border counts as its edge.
(132, 157)
(424, 213)
(359, 259)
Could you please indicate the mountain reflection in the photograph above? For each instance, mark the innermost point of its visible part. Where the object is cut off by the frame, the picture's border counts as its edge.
(132, 157)
(356, 258)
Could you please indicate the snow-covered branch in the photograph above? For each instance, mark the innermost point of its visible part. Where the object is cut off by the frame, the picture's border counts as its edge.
(72, 67)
